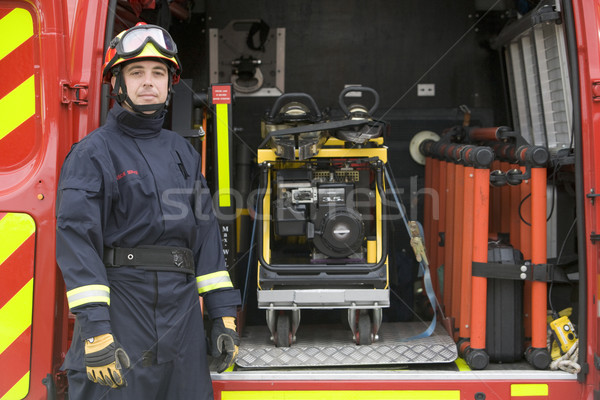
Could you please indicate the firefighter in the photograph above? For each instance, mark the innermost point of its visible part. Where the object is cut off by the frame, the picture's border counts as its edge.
(137, 241)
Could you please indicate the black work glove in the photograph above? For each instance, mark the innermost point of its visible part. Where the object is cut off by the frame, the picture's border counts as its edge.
(224, 342)
(105, 360)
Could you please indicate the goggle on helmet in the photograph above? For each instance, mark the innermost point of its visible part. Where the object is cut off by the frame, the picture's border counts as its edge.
(141, 41)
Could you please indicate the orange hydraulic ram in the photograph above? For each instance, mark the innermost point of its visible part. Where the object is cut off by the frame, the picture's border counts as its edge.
(489, 134)
(534, 158)
(467, 254)
(537, 157)
(474, 349)
(480, 250)
(538, 256)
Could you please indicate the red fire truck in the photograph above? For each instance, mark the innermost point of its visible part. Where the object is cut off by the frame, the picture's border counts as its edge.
(485, 151)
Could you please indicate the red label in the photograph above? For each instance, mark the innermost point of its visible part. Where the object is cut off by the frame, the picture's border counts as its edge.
(221, 94)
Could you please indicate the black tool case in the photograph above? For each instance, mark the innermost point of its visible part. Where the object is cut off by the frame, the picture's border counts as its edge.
(504, 324)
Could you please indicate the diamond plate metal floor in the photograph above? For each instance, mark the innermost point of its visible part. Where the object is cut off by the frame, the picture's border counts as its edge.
(332, 345)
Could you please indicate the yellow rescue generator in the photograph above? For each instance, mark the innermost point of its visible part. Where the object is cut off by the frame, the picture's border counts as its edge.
(322, 218)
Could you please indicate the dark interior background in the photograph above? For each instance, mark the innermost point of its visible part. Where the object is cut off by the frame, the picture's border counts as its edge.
(390, 46)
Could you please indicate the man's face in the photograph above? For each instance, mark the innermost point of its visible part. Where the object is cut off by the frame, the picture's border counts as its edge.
(147, 82)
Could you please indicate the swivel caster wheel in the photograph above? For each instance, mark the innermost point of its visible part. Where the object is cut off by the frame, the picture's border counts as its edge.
(365, 328)
(284, 331)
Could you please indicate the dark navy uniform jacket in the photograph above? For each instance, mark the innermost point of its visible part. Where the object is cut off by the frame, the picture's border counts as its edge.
(131, 183)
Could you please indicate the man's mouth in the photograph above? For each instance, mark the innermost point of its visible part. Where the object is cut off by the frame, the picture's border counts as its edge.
(147, 97)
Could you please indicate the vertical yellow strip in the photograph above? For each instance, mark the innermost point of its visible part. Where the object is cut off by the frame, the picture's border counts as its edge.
(223, 154)
(371, 251)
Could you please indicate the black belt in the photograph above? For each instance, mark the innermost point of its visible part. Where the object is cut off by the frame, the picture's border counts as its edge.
(154, 258)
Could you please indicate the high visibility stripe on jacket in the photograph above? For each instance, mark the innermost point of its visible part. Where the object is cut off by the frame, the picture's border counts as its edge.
(215, 280)
(88, 294)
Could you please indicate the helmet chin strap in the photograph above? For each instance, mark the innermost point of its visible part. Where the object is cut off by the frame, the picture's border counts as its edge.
(120, 94)
(142, 109)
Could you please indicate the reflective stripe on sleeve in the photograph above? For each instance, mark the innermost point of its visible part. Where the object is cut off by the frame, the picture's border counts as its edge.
(216, 280)
(88, 294)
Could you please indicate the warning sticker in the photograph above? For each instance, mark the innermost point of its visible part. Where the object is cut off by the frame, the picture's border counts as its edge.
(221, 94)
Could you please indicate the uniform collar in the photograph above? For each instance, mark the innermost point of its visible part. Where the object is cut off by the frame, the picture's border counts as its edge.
(133, 125)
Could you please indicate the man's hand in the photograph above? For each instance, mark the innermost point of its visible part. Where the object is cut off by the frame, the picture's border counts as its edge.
(105, 360)
(224, 342)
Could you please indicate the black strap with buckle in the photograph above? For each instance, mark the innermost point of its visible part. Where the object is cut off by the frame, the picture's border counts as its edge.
(520, 272)
(153, 258)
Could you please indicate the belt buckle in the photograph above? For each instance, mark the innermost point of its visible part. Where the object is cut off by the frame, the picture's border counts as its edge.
(178, 258)
(109, 257)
